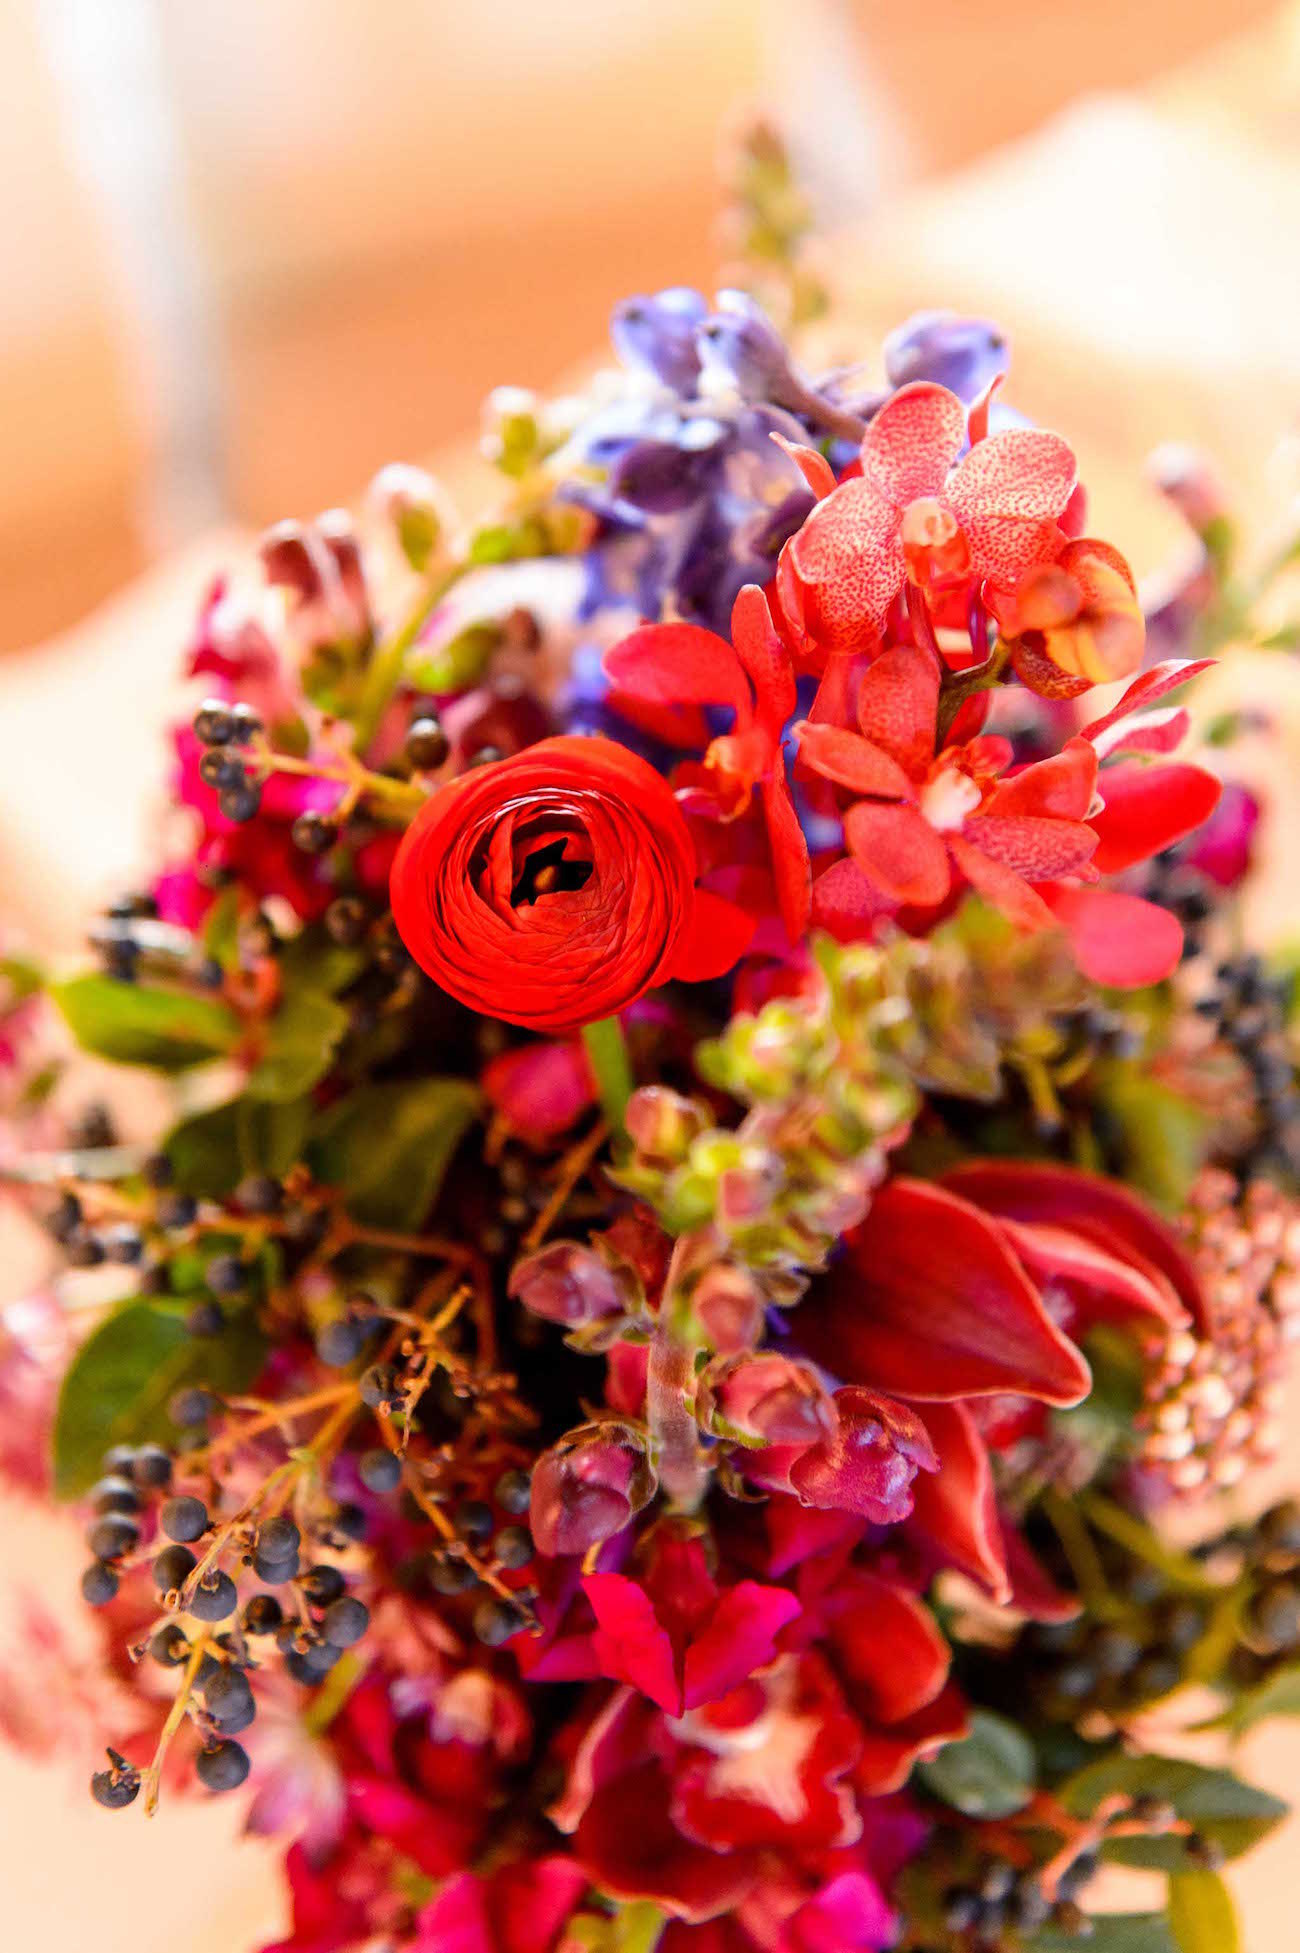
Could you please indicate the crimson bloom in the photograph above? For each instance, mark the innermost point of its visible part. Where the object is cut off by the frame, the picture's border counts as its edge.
(918, 513)
(939, 1299)
(555, 887)
(926, 815)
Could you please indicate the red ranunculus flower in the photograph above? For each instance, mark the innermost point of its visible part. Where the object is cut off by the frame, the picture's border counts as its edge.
(552, 888)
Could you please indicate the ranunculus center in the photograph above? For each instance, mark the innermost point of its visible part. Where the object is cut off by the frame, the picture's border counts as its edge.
(552, 868)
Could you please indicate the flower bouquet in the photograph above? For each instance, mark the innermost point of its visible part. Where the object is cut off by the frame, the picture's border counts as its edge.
(728, 1222)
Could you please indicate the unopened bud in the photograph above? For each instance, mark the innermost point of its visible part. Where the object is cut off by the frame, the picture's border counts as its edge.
(662, 1124)
(588, 1486)
(768, 1397)
(729, 1306)
(565, 1282)
(1185, 476)
(416, 505)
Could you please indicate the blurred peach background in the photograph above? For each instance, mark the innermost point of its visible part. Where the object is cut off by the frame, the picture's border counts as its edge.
(255, 248)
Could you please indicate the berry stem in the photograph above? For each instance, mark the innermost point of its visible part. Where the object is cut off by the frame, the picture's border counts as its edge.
(384, 671)
(572, 1167)
(175, 1717)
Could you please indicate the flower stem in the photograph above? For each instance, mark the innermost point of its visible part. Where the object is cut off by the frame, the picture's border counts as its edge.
(384, 672)
(607, 1052)
(670, 1389)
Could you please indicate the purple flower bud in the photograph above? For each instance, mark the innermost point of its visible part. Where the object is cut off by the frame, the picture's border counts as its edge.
(662, 1124)
(657, 333)
(960, 354)
(565, 1282)
(740, 343)
(729, 1306)
(588, 1486)
(773, 1398)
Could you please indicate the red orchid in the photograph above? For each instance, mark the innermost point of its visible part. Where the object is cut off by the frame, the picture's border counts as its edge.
(925, 814)
(665, 666)
(917, 513)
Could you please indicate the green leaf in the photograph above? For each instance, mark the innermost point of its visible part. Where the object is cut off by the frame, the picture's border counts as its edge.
(204, 1152)
(1113, 1932)
(116, 1388)
(211, 1152)
(312, 962)
(135, 1025)
(1278, 1695)
(300, 1044)
(1216, 1803)
(271, 1134)
(388, 1146)
(20, 977)
(1164, 1136)
(1202, 1917)
(989, 1773)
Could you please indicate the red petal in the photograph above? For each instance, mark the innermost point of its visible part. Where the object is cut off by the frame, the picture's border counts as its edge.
(1156, 732)
(1033, 1592)
(713, 942)
(678, 664)
(812, 465)
(898, 850)
(867, 1464)
(888, 1649)
(956, 1508)
(888, 1754)
(898, 705)
(913, 441)
(1112, 1286)
(631, 1645)
(846, 904)
(791, 869)
(740, 1638)
(1147, 809)
(765, 659)
(931, 1303)
(850, 761)
(1145, 690)
(848, 561)
(540, 1089)
(1037, 847)
(1001, 886)
(1118, 940)
(1089, 1205)
(1062, 786)
(1007, 493)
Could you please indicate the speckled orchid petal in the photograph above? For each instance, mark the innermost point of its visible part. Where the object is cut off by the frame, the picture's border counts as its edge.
(1037, 847)
(851, 761)
(898, 704)
(1000, 886)
(1007, 494)
(847, 561)
(898, 850)
(913, 441)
